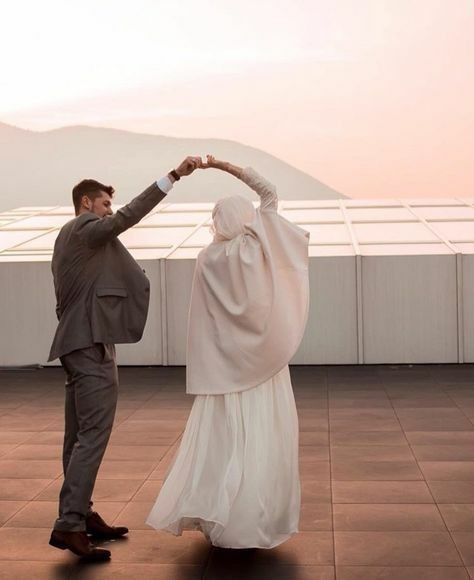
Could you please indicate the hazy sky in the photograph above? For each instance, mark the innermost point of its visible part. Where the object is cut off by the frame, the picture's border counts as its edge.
(373, 97)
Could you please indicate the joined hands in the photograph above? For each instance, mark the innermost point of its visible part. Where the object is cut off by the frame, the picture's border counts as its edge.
(192, 163)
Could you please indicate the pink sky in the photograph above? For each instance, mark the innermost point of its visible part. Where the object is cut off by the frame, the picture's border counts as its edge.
(373, 97)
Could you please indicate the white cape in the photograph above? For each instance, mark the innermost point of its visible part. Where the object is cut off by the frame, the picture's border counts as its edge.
(249, 305)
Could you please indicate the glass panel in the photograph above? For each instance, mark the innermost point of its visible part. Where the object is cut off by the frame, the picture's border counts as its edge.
(43, 242)
(456, 231)
(327, 233)
(430, 201)
(64, 209)
(446, 212)
(34, 208)
(202, 237)
(372, 203)
(184, 254)
(25, 257)
(396, 232)
(377, 214)
(186, 207)
(177, 218)
(342, 250)
(40, 222)
(153, 237)
(8, 239)
(11, 215)
(299, 216)
(149, 254)
(310, 203)
(403, 249)
(466, 248)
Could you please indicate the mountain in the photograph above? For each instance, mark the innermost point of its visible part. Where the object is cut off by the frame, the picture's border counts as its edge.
(40, 168)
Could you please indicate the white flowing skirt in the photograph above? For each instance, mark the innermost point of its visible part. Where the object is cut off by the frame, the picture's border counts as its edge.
(235, 475)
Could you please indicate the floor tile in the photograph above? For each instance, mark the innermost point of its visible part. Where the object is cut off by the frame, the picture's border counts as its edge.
(126, 469)
(459, 517)
(314, 438)
(134, 515)
(401, 573)
(21, 489)
(152, 547)
(315, 491)
(8, 509)
(14, 437)
(452, 491)
(41, 469)
(381, 492)
(371, 453)
(375, 470)
(104, 490)
(387, 517)
(315, 517)
(314, 453)
(465, 543)
(42, 514)
(26, 451)
(23, 570)
(28, 544)
(395, 549)
(379, 423)
(152, 453)
(444, 452)
(448, 470)
(359, 438)
(148, 491)
(305, 548)
(314, 470)
(440, 437)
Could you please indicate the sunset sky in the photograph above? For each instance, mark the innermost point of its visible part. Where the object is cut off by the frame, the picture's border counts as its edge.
(373, 97)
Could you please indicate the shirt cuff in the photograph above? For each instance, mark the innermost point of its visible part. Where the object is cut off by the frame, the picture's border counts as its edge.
(165, 184)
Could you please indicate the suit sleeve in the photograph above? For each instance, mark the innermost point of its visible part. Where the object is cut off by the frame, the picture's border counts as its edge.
(264, 189)
(97, 231)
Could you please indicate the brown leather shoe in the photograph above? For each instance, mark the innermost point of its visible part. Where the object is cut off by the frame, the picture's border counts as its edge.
(79, 544)
(96, 526)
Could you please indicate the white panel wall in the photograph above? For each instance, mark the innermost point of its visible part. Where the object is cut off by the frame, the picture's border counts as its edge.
(331, 332)
(27, 312)
(179, 277)
(468, 306)
(28, 319)
(409, 309)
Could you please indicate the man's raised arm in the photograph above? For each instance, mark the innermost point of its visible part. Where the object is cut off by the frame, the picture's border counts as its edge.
(97, 231)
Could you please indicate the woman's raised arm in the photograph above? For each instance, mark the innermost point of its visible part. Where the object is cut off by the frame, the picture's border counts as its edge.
(264, 189)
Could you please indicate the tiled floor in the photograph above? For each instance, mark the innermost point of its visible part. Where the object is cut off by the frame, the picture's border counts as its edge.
(386, 462)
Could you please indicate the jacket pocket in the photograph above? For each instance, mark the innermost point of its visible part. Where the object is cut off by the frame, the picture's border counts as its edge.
(122, 292)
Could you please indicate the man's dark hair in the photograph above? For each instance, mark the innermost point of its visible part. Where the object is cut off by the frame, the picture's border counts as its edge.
(92, 189)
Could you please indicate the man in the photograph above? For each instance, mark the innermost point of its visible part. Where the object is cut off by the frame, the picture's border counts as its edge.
(102, 298)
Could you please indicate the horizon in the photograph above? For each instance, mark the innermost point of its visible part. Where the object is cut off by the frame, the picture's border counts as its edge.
(375, 99)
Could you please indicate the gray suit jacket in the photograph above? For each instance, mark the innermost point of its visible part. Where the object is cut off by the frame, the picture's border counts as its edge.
(102, 294)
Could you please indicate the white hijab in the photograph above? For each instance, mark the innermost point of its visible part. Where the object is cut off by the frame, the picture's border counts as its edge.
(249, 299)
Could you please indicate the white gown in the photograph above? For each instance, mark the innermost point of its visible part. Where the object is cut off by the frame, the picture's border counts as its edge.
(235, 475)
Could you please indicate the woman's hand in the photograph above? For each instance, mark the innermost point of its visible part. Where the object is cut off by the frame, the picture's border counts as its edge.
(223, 165)
(212, 162)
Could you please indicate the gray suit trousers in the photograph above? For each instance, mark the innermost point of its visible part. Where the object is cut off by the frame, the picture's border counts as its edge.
(91, 400)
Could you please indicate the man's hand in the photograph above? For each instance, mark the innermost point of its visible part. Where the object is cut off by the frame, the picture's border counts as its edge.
(187, 166)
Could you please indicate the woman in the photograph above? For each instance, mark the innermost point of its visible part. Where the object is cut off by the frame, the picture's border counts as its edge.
(235, 476)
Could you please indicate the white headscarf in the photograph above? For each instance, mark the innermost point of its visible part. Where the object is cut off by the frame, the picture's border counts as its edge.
(249, 300)
(230, 215)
